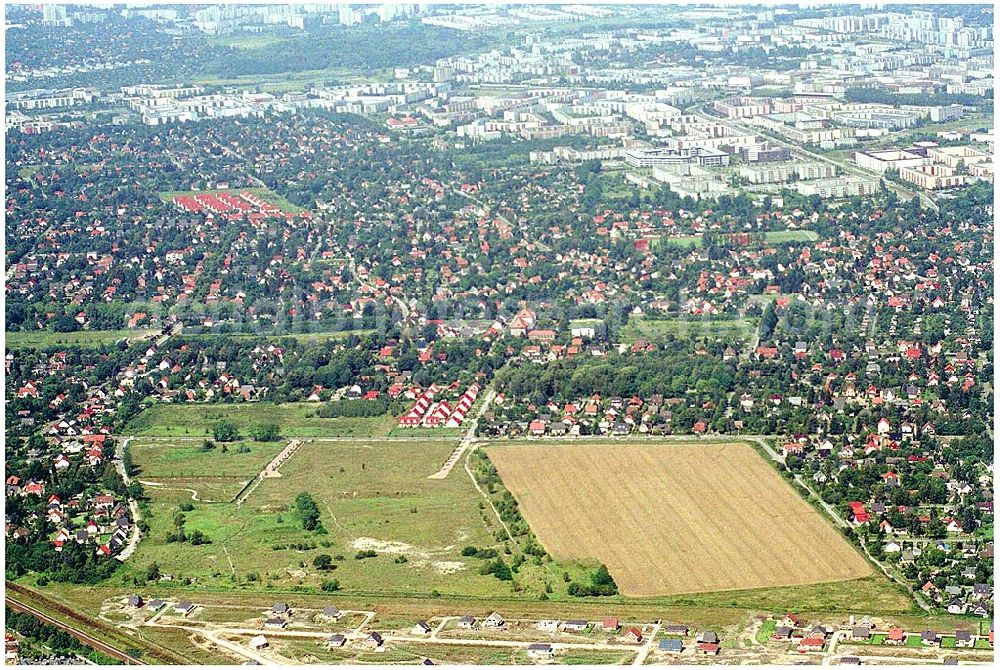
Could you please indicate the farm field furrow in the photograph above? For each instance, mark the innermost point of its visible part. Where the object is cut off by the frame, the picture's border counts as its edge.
(675, 519)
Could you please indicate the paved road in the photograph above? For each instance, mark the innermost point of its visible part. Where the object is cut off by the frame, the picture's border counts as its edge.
(640, 658)
(470, 437)
(269, 470)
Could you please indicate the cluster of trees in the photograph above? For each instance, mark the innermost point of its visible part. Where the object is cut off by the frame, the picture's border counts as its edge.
(53, 639)
(364, 48)
(225, 431)
(601, 584)
(76, 563)
(307, 512)
(622, 375)
(179, 534)
(884, 97)
(358, 408)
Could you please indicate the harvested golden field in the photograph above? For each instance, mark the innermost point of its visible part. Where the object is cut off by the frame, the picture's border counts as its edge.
(669, 519)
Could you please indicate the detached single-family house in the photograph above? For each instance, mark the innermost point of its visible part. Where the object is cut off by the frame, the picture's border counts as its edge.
(671, 645)
(540, 650)
(421, 628)
(494, 621)
(184, 607)
(336, 640)
(782, 633)
(258, 642)
(708, 637)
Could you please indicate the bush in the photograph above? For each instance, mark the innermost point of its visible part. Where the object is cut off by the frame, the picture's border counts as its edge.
(330, 585)
(366, 553)
(225, 431)
(265, 432)
(307, 510)
(601, 584)
(498, 569)
(323, 562)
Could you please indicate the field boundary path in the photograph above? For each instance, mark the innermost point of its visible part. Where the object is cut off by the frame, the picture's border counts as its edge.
(133, 506)
(470, 437)
(486, 497)
(270, 470)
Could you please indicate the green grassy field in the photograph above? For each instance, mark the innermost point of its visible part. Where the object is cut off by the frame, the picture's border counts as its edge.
(181, 465)
(249, 42)
(657, 329)
(265, 193)
(40, 339)
(371, 495)
(28, 171)
(293, 420)
(283, 82)
(321, 336)
(766, 631)
(779, 236)
(682, 241)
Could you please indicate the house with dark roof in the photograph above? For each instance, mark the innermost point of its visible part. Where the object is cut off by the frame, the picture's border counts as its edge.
(541, 650)
(671, 645)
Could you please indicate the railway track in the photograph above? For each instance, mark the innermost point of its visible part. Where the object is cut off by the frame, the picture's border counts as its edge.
(86, 638)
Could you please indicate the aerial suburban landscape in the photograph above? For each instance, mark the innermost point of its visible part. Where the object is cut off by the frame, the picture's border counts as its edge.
(424, 334)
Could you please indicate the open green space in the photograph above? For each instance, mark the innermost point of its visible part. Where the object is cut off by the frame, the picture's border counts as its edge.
(293, 420)
(682, 241)
(779, 236)
(371, 495)
(265, 193)
(249, 42)
(41, 339)
(184, 465)
(282, 82)
(319, 336)
(712, 328)
(766, 631)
